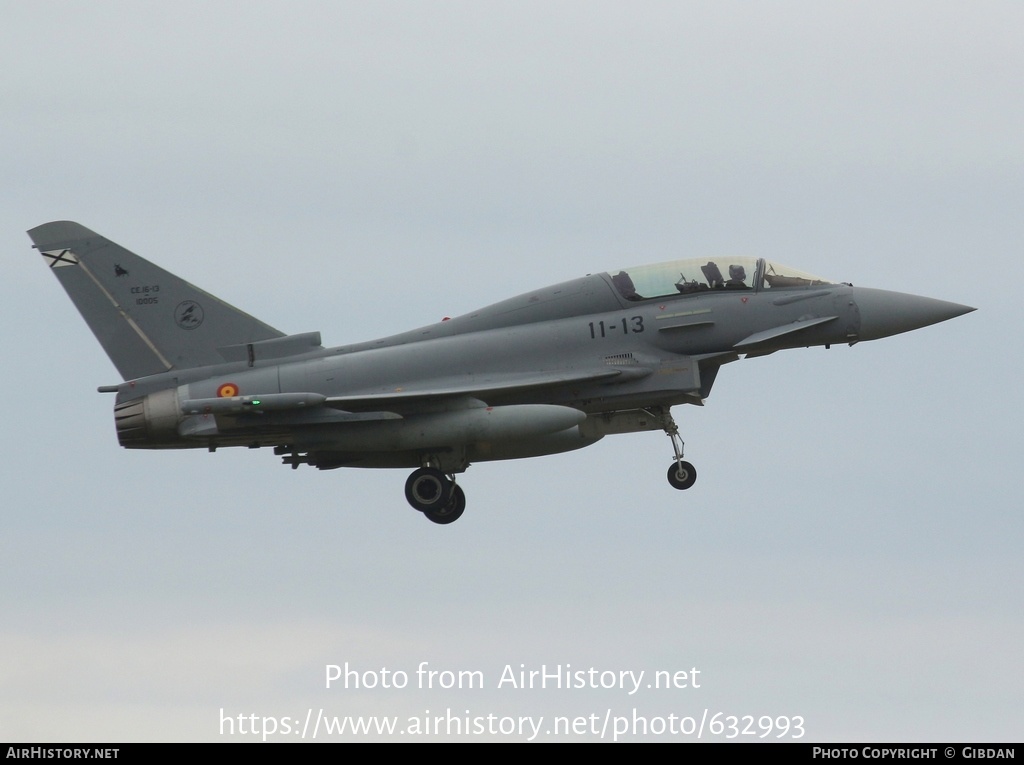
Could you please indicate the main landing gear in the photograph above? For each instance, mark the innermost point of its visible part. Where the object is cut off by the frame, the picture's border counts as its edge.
(681, 474)
(435, 494)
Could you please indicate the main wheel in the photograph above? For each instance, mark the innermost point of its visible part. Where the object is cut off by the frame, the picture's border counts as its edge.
(452, 511)
(428, 489)
(682, 475)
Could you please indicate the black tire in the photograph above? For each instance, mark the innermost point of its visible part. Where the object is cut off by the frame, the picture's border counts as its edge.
(450, 512)
(682, 475)
(428, 489)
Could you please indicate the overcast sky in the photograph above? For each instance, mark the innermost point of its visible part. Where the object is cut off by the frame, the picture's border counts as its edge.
(851, 551)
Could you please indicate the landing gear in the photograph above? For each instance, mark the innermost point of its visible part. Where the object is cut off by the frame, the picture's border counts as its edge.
(436, 495)
(428, 489)
(452, 511)
(681, 474)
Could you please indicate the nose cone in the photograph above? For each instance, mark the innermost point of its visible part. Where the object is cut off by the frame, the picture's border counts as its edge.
(884, 313)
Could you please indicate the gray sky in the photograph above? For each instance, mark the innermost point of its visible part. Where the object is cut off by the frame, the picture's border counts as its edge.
(851, 551)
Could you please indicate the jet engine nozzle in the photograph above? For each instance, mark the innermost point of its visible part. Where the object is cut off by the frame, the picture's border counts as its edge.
(150, 422)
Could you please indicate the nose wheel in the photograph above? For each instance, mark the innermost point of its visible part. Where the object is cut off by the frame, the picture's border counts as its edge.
(682, 475)
(435, 494)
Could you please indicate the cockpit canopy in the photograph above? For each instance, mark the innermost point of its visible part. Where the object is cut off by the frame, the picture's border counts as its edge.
(685, 277)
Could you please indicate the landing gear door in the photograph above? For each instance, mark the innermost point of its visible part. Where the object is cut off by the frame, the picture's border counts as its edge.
(682, 374)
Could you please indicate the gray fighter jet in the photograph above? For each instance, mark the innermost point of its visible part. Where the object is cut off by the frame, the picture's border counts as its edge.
(549, 371)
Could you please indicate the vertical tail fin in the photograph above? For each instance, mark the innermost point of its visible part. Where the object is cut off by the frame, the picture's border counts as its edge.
(147, 319)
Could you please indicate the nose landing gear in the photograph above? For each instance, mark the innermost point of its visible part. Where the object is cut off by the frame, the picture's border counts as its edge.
(681, 474)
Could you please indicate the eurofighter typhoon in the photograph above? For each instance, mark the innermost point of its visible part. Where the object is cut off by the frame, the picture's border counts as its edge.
(549, 371)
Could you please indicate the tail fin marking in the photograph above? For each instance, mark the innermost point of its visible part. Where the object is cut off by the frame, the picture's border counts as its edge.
(147, 319)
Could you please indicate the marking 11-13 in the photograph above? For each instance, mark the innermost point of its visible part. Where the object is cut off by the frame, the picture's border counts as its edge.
(603, 329)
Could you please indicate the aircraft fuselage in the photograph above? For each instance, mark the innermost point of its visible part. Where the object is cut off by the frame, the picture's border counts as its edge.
(547, 371)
